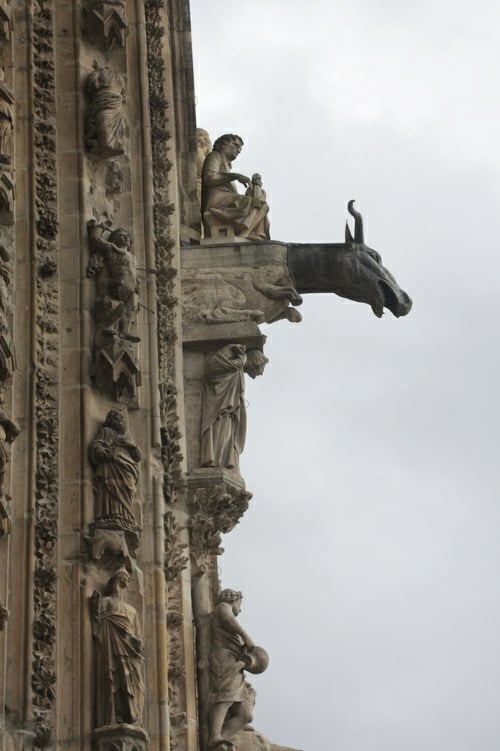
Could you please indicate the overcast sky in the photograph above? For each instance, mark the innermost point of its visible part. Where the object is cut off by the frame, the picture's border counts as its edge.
(370, 556)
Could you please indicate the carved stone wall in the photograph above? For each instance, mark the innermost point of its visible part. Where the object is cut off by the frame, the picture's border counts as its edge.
(111, 515)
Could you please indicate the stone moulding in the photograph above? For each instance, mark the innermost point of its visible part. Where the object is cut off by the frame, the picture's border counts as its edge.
(46, 370)
(166, 303)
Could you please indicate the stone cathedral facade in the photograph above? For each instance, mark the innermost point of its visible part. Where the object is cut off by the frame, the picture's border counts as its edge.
(133, 278)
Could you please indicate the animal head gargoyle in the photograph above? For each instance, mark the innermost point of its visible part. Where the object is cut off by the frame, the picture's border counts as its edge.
(351, 270)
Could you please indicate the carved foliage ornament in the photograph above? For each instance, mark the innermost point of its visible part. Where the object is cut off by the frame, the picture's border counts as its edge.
(46, 373)
(213, 514)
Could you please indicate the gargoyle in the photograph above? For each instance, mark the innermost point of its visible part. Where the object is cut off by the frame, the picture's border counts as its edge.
(349, 269)
(261, 280)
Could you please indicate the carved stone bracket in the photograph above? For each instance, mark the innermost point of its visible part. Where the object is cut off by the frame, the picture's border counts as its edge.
(216, 504)
(120, 738)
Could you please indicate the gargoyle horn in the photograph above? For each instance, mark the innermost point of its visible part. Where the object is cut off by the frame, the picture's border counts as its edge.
(358, 223)
(348, 237)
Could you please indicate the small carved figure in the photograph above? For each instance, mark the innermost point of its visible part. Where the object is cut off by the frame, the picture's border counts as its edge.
(222, 206)
(105, 124)
(119, 655)
(6, 117)
(231, 698)
(8, 433)
(259, 195)
(114, 265)
(114, 178)
(116, 461)
(204, 147)
(223, 426)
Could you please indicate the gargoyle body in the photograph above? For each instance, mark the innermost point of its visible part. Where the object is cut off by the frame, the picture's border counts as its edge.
(260, 281)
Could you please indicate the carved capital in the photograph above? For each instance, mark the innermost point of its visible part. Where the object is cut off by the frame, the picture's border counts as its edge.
(120, 738)
(215, 509)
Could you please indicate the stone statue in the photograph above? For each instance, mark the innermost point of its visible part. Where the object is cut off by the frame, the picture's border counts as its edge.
(116, 461)
(256, 190)
(6, 117)
(232, 651)
(8, 433)
(113, 263)
(105, 123)
(224, 211)
(203, 149)
(119, 657)
(223, 425)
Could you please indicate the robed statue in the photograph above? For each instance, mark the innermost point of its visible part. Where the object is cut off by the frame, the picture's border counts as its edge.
(116, 461)
(119, 657)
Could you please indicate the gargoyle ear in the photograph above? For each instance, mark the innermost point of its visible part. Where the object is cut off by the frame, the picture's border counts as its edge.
(348, 237)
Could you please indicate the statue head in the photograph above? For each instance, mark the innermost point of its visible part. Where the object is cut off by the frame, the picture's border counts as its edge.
(231, 597)
(121, 238)
(256, 362)
(229, 144)
(119, 580)
(115, 419)
(256, 178)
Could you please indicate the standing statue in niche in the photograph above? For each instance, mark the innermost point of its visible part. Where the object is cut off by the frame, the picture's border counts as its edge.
(8, 433)
(224, 421)
(116, 460)
(6, 117)
(105, 122)
(119, 655)
(231, 699)
(224, 211)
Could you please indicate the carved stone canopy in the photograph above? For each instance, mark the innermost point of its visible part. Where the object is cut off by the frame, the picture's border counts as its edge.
(104, 22)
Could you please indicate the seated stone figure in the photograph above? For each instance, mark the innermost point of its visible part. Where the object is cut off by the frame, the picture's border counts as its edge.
(225, 212)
